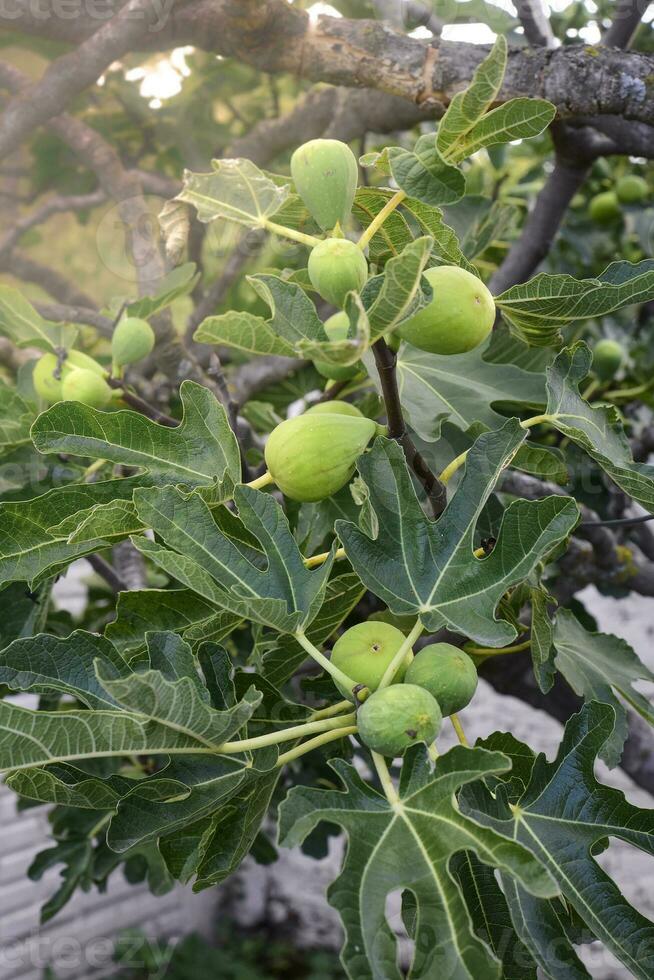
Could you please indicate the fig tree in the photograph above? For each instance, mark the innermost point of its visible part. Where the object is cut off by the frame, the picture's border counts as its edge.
(607, 358)
(335, 408)
(325, 174)
(87, 387)
(447, 673)
(459, 317)
(312, 456)
(336, 328)
(364, 652)
(397, 717)
(631, 189)
(133, 339)
(604, 208)
(337, 266)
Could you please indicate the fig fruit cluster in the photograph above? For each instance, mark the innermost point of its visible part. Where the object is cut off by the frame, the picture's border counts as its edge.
(606, 207)
(439, 681)
(77, 377)
(314, 455)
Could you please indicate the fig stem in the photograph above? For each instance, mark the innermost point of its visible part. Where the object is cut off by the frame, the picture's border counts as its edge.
(338, 675)
(458, 728)
(380, 218)
(315, 560)
(385, 779)
(315, 743)
(91, 470)
(497, 651)
(402, 651)
(459, 460)
(333, 709)
(629, 392)
(297, 236)
(261, 481)
(287, 735)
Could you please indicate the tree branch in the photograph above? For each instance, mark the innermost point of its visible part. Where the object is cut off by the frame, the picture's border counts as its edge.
(386, 361)
(535, 22)
(55, 205)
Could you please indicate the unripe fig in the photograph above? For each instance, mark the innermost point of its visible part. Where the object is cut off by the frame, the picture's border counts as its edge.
(459, 317)
(607, 358)
(364, 652)
(631, 189)
(311, 457)
(336, 328)
(325, 174)
(49, 373)
(133, 339)
(335, 408)
(87, 387)
(396, 717)
(447, 673)
(337, 266)
(604, 208)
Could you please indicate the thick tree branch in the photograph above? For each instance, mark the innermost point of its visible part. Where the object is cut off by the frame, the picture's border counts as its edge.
(535, 23)
(386, 361)
(55, 205)
(626, 21)
(60, 288)
(76, 314)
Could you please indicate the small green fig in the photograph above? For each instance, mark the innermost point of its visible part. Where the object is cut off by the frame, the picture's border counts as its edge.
(133, 339)
(337, 266)
(364, 652)
(447, 673)
(87, 387)
(49, 373)
(325, 174)
(335, 408)
(397, 717)
(604, 208)
(459, 317)
(336, 328)
(78, 359)
(631, 189)
(607, 359)
(311, 457)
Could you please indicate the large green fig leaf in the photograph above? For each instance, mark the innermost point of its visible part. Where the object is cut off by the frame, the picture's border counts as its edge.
(235, 190)
(26, 328)
(427, 568)
(424, 174)
(30, 550)
(596, 429)
(16, 417)
(24, 613)
(461, 388)
(278, 591)
(468, 125)
(596, 665)
(536, 310)
(200, 452)
(409, 845)
(562, 817)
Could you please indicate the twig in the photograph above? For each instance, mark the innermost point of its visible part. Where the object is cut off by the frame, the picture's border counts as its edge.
(140, 405)
(386, 362)
(107, 572)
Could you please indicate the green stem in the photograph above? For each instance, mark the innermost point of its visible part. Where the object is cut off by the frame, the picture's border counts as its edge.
(496, 651)
(458, 462)
(339, 676)
(262, 481)
(287, 735)
(629, 392)
(297, 236)
(458, 728)
(388, 786)
(380, 218)
(319, 559)
(333, 709)
(315, 743)
(398, 659)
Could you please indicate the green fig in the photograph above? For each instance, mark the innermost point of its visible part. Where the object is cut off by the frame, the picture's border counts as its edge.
(87, 387)
(49, 373)
(607, 359)
(335, 408)
(364, 652)
(394, 718)
(133, 339)
(631, 189)
(311, 457)
(459, 317)
(604, 208)
(325, 174)
(447, 673)
(336, 328)
(337, 266)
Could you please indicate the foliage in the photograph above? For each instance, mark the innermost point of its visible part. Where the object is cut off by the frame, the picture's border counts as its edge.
(175, 721)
